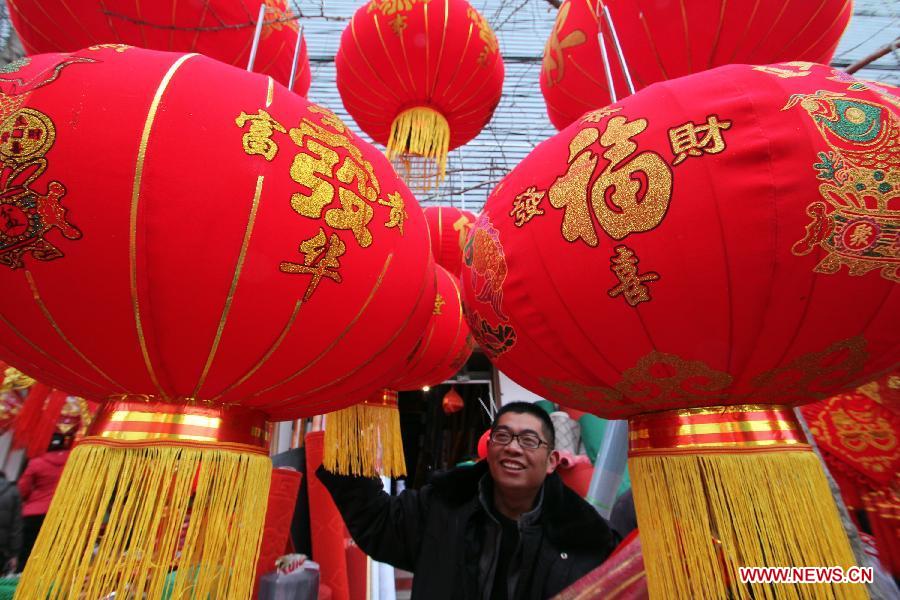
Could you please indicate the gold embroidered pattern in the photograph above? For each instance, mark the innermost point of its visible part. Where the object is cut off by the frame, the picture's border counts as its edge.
(487, 36)
(258, 140)
(462, 226)
(856, 222)
(869, 437)
(439, 303)
(320, 259)
(637, 212)
(277, 17)
(398, 214)
(27, 215)
(493, 340)
(526, 205)
(787, 70)
(390, 7)
(624, 264)
(120, 48)
(554, 63)
(686, 139)
(595, 116)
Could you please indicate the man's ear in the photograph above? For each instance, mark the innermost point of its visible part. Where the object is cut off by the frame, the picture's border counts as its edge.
(552, 461)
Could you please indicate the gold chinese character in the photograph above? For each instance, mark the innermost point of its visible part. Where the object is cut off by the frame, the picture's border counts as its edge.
(631, 283)
(526, 205)
(686, 139)
(462, 226)
(861, 236)
(802, 69)
(439, 303)
(595, 116)
(314, 263)
(328, 118)
(398, 214)
(259, 139)
(626, 210)
(354, 215)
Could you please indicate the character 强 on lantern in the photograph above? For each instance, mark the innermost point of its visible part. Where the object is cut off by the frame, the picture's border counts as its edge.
(420, 77)
(243, 259)
(698, 258)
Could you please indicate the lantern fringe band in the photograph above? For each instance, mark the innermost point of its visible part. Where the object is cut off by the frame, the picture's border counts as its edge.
(706, 508)
(128, 512)
(421, 131)
(364, 437)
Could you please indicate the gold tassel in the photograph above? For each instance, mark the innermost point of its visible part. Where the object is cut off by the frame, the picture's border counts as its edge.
(365, 440)
(14, 379)
(421, 131)
(117, 519)
(705, 508)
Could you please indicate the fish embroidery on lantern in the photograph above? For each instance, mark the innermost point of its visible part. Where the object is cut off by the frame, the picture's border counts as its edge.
(640, 205)
(487, 264)
(26, 214)
(856, 223)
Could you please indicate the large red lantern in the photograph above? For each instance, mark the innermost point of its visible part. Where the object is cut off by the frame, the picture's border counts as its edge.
(665, 40)
(245, 260)
(448, 226)
(420, 78)
(220, 29)
(687, 265)
(354, 435)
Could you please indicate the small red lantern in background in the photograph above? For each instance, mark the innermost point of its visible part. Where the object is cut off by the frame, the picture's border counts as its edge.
(449, 227)
(665, 40)
(420, 78)
(721, 239)
(452, 402)
(217, 28)
(216, 276)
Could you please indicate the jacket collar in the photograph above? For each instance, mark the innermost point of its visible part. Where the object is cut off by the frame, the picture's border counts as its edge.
(569, 521)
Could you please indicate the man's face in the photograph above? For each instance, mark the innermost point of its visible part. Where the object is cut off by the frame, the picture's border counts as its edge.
(516, 468)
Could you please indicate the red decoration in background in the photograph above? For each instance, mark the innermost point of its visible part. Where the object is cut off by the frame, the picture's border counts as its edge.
(712, 236)
(220, 29)
(445, 345)
(860, 442)
(666, 40)
(448, 226)
(279, 512)
(285, 302)
(452, 402)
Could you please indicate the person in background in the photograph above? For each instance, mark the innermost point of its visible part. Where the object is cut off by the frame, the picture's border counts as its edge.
(504, 529)
(10, 525)
(37, 486)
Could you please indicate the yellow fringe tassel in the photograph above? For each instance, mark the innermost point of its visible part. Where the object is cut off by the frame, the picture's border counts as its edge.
(421, 131)
(701, 516)
(117, 517)
(363, 437)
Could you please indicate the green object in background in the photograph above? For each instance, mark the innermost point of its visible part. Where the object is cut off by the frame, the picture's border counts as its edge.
(546, 405)
(8, 587)
(592, 429)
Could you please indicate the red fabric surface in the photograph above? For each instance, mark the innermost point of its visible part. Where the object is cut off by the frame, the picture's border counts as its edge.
(30, 414)
(666, 40)
(329, 534)
(357, 572)
(38, 483)
(217, 28)
(38, 438)
(448, 228)
(218, 297)
(277, 528)
(446, 343)
(413, 53)
(613, 271)
(620, 577)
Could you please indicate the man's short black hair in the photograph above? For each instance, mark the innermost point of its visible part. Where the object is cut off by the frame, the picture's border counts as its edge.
(527, 408)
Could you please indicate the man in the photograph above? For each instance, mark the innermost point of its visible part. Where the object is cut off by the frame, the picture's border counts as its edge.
(506, 528)
(10, 525)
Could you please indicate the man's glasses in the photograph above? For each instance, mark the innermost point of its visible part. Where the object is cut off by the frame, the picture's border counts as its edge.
(527, 439)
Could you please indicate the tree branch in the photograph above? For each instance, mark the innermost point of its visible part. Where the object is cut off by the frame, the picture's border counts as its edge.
(554, 3)
(872, 57)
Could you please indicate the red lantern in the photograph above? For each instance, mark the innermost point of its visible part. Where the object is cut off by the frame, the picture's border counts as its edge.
(221, 30)
(448, 226)
(420, 78)
(250, 260)
(662, 256)
(665, 40)
(445, 345)
(452, 402)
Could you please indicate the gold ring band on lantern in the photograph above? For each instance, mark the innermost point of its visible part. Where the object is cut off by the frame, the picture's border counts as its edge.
(146, 421)
(753, 428)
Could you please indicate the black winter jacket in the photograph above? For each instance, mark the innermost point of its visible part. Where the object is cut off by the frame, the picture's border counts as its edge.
(446, 535)
(10, 520)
